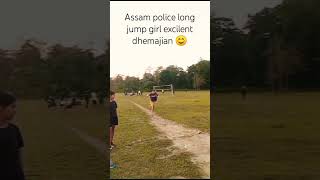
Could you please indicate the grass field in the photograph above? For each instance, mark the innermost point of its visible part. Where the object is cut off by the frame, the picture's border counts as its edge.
(266, 136)
(188, 108)
(140, 153)
(54, 152)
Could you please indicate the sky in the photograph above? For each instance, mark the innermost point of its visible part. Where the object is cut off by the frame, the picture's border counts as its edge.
(70, 22)
(238, 10)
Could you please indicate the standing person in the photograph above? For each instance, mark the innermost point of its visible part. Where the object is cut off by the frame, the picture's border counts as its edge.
(87, 98)
(244, 90)
(70, 103)
(153, 99)
(94, 98)
(113, 117)
(51, 102)
(61, 100)
(11, 141)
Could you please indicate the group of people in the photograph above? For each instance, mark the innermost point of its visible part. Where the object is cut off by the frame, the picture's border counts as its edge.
(138, 93)
(114, 119)
(68, 101)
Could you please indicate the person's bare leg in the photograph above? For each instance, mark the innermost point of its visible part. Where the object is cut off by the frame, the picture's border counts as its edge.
(113, 130)
(110, 134)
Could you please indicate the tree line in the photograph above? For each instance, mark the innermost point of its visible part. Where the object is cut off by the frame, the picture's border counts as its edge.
(278, 49)
(31, 71)
(197, 76)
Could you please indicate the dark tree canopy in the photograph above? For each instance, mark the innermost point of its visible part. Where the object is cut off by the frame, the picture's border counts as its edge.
(278, 48)
(29, 73)
(197, 76)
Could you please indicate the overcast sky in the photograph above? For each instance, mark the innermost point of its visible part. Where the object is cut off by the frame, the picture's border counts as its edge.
(81, 22)
(84, 22)
(238, 10)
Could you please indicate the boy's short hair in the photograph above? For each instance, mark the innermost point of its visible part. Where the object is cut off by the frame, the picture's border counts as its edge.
(6, 99)
(112, 93)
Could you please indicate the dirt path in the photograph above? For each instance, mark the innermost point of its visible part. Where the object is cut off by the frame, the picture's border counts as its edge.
(100, 146)
(185, 139)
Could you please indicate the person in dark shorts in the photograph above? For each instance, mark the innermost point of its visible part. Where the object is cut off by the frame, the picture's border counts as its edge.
(153, 99)
(113, 117)
(11, 141)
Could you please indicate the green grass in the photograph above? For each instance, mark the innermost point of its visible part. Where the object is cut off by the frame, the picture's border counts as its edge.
(266, 136)
(52, 150)
(140, 153)
(191, 108)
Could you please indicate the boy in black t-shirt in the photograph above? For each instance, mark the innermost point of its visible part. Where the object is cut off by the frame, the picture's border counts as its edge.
(153, 99)
(11, 140)
(113, 117)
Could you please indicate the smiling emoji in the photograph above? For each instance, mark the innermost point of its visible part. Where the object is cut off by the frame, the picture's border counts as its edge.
(181, 40)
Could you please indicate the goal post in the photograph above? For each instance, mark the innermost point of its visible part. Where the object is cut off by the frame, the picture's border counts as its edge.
(168, 87)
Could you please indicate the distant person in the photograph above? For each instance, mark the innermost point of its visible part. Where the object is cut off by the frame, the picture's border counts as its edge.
(101, 99)
(51, 102)
(153, 99)
(113, 117)
(74, 101)
(87, 98)
(94, 98)
(139, 93)
(11, 141)
(162, 91)
(62, 100)
(70, 103)
(244, 91)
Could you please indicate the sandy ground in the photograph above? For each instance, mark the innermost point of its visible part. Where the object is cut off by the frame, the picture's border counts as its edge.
(185, 139)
